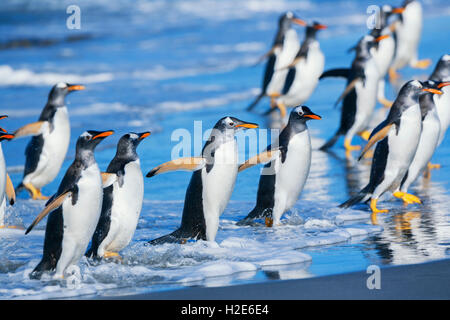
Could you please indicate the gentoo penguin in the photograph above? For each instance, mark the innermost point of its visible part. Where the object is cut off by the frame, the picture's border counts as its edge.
(74, 209)
(383, 51)
(441, 73)
(211, 183)
(282, 53)
(285, 174)
(428, 138)
(47, 149)
(359, 97)
(6, 186)
(398, 138)
(122, 201)
(304, 72)
(407, 35)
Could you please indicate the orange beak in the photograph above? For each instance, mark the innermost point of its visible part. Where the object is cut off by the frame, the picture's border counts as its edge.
(432, 91)
(313, 116)
(299, 21)
(7, 136)
(248, 125)
(3, 117)
(76, 87)
(398, 10)
(320, 26)
(103, 134)
(144, 135)
(443, 84)
(381, 37)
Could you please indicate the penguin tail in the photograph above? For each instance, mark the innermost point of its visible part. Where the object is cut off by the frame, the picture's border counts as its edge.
(175, 237)
(43, 266)
(19, 188)
(331, 142)
(362, 196)
(255, 102)
(91, 253)
(256, 213)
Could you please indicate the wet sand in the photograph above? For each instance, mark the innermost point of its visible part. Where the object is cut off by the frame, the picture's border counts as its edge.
(420, 281)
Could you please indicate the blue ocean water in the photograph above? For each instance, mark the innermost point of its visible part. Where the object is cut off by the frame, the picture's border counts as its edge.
(163, 65)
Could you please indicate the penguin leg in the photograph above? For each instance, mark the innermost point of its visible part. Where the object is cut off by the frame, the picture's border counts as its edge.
(430, 166)
(385, 102)
(349, 148)
(406, 197)
(421, 64)
(35, 192)
(364, 134)
(275, 104)
(373, 207)
(393, 75)
(112, 255)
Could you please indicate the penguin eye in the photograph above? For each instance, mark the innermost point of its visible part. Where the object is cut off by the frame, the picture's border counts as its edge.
(300, 113)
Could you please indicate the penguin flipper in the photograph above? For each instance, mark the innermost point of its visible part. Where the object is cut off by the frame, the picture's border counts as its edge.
(108, 179)
(54, 204)
(256, 101)
(190, 164)
(263, 157)
(379, 133)
(339, 72)
(266, 55)
(10, 193)
(347, 90)
(360, 197)
(331, 142)
(31, 129)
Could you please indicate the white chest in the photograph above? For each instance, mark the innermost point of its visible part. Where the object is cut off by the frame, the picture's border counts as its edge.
(218, 185)
(403, 146)
(127, 199)
(81, 219)
(291, 175)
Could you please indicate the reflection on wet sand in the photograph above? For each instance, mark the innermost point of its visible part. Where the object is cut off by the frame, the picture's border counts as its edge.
(411, 234)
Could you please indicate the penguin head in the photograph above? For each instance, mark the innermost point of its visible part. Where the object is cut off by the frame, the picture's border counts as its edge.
(286, 20)
(88, 140)
(60, 90)
(128, 143)
(303, 114)
(434, 87)
(312, 29)
(442, 70)
(232, 124)
(413, 89)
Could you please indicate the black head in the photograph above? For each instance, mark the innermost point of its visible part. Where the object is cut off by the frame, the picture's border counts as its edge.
(303, 114)
(286, 20)
(365, 44)
(312, 29)
(60, 90)
(442, 70)
(435, 86)
(88, 140)
(232, 124)
(413, 89)
(128, 143)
